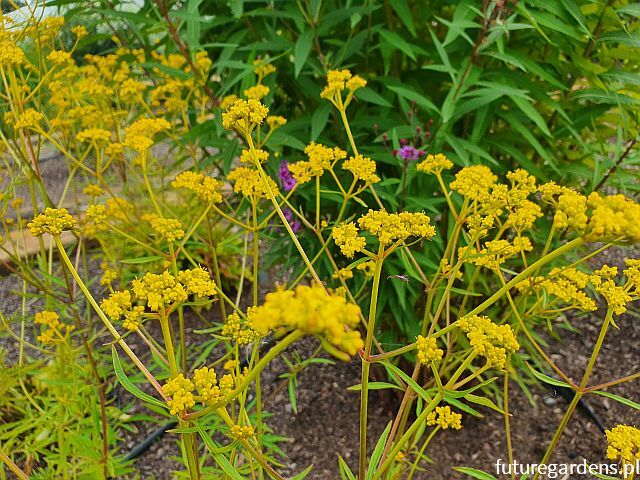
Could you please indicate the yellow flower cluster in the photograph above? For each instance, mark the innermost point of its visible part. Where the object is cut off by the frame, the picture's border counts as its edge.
(53, 221)
(205, 187)
(30, 118)
(108, 276)
(10, 54)
(257, 92)
(434, 164)
(342, 274)
(495, 252)
(444, 418)
(427, 350)
(139, 135)
(92, 190)
(474, 182)
(603, 280)
(624, 444)
(337, 82)
(206, 382)
(362, 168)
(253, 157)
(567, 284)
(346, 237)
(168, 228)
(488, 339)
(261, 68)
(159, 291)
(632, 272)
(612, 217)
(241, 331)
(314, 311)
(180, 390)
(53, 330)
(93, 135)
(393, 227)
(321, 158)
(276, 121)
(244, 115)
(241, 432)
(197, 281)
(96, 214)
(249, 183)
(367, 267)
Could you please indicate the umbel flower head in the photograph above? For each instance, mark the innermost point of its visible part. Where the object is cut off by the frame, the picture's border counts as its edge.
(393, 227)
(428, 350)
(205, 187)
(321, 158)
(624, 444)
(489, 340)
(444, 418)
(434, 164)
(244, 115)
(311, 310)
(53, 221)
(339, 81)
(53, 330)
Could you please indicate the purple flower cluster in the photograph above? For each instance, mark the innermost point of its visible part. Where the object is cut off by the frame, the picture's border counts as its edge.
(286, 178)
(408, 152)
(295, 224)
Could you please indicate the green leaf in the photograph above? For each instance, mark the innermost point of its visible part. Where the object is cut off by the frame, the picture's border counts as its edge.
(374, 386)
(404, 14)
(618, 398)
(398, 42)
(219, 458)
(547, 379)
(141, 260)
(319, 120)
(483, 401)
(372, 96)
(472, 472)
(632, 9)
(529, 110)
(410, 95)
(345, 471)
(128, 384)
(417, 388)
(301, 50)
(377, 452)
(303, 474)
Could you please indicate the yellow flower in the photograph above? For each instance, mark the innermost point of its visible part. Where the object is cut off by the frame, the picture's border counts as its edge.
(168, 228)
(261, 68)
(276, 121)
(53, 221)
(474, 182)
(311, 310)
(117, 304)
(227, 101)
(159, 291)
(11, 54)
(393, 227)
(206, 383)
(489, 340)
(249, 183)
(337, 82)
(367, 267)
(92, 190)
(205, 187)
(624, 444)
(53, 330)
(616, 297)
(321, 158)
(240, 331)
(362, 168)
(445, 418)
(139, 135)
(29, 119)
(434, 164)
(80, 31)
(257, 92)
(633, 275)
(524, 215)
(132, 318)
(567, 284)
(244, 115)
(346, 237)
(198, 282)
(180, 390)
(612, 217)
(571, 211)
(131, 89)
(59, 58)
(241, 432)
(252, 157)
(343, 273)
(428, 350)
(93, 135)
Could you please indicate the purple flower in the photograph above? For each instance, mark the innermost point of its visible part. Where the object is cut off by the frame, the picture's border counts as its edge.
(410, 153)
(286, 178)
(288, 214)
